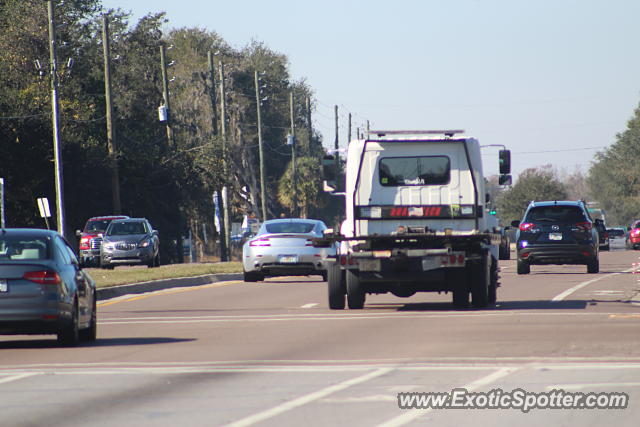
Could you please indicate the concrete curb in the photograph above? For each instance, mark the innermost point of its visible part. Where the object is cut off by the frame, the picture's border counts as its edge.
(157, 285)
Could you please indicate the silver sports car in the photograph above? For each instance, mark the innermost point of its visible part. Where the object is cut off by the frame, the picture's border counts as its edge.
(284, 247)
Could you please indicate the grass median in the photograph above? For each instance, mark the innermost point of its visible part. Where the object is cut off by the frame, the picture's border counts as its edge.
(127, 275)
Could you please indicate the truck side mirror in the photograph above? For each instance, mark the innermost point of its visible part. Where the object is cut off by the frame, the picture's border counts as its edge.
(504, 157)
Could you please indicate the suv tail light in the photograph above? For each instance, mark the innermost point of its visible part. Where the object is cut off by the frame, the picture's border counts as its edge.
(43, 277)
(585, 226)
(526, 226)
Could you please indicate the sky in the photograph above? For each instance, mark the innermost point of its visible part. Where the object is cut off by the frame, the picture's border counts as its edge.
(552, 80)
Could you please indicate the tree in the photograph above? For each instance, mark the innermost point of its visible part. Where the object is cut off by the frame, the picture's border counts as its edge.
(614, 177)
(308, 179)
(532, 184)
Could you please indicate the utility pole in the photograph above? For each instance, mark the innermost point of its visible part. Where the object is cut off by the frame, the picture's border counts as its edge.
(309, 125)
(225, 169)
(212, 93)
(368, 129)
(349, 130)
(165, 93)
(111, 138)
(57, 152)
(214, 126)
(263, 193)
(293, 158)
(2, 222)
(337, 155)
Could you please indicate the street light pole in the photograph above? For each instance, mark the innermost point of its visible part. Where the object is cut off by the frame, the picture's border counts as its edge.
(57, 152)
(293, 158)
(225, 167)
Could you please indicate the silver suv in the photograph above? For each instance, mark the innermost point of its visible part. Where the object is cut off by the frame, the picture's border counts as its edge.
(130, 242)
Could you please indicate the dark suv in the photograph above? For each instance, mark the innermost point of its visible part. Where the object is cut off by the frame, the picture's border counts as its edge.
(557, 232)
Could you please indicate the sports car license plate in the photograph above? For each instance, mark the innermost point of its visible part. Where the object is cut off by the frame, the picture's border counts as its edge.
(4, 287)
(555, 236)
(288, 259)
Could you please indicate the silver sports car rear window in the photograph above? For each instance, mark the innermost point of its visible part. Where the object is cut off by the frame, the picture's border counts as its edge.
(289, 227)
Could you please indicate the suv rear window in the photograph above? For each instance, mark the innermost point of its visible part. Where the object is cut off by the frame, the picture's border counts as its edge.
(556, 213)
(400, 171)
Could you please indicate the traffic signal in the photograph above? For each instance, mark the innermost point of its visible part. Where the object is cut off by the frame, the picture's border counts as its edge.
(505, 161)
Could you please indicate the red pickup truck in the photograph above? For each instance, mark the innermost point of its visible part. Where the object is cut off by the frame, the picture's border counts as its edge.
(91, 239)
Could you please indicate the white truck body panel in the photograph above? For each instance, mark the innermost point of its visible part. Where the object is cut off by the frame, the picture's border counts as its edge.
(369, 192)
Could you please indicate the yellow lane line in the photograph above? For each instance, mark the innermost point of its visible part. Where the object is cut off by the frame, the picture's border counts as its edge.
(168, 292)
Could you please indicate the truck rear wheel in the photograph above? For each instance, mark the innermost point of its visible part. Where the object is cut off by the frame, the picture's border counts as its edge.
(460, 298)
(336, 288)
(481, 281)
(493, 286)
(355, 294)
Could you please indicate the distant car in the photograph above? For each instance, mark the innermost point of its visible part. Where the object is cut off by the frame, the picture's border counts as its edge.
(556, 232)
(634, 235)
(284, 247)
(91, 239)
(129, 242)
(603, 235)
(617, 236)
(43, 290)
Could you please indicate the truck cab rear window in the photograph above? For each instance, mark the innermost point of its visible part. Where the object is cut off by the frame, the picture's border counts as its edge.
(401, 171)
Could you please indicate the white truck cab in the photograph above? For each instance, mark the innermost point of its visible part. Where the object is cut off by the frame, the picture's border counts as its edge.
(415, 220)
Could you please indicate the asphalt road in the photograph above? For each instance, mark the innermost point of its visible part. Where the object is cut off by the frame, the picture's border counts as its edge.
(273, 354)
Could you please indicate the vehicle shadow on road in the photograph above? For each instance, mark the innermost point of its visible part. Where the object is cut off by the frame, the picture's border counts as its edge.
(500, 306)
(100, 342)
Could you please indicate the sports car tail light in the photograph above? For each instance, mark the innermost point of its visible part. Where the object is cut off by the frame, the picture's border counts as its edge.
(526, 226)
(585, 226)
(260, 242)
(43, 277)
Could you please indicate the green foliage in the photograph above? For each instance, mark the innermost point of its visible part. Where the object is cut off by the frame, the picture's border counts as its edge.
(614, 177)
(308, 179)
(533, 184)
(169, 183)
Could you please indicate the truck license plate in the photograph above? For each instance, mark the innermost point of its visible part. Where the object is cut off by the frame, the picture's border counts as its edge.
(555, 236)
(4, 287)
(369, 265)
(288, 259)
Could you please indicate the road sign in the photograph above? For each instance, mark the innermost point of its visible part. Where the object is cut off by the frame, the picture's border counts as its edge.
(43, 206)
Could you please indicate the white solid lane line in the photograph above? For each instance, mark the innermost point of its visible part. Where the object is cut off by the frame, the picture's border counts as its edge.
(303, 400)
(17, 377)
(412, 414)
(579, 286)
